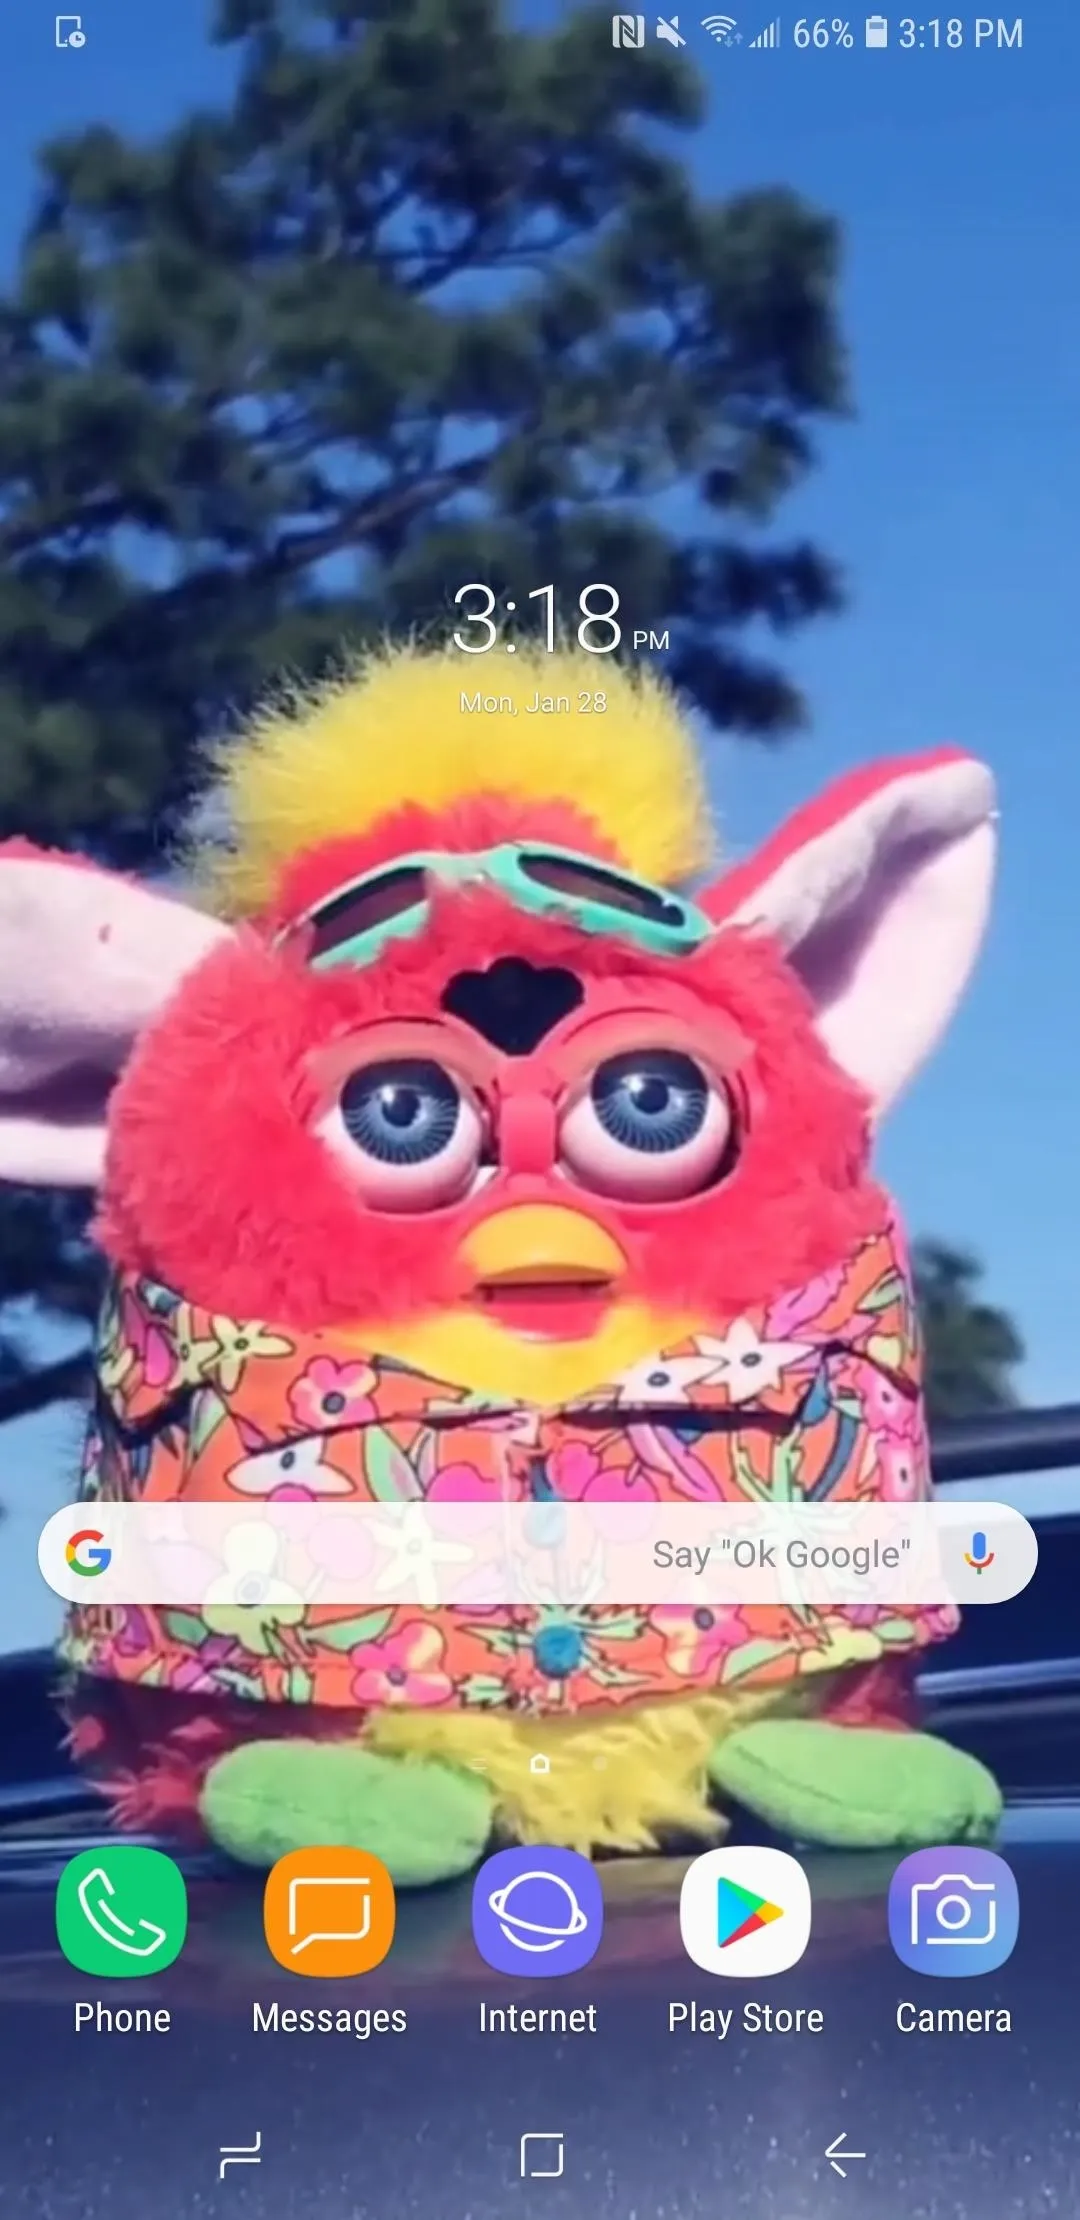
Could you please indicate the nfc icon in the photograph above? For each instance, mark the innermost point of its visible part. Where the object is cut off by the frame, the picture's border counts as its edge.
(628, 30)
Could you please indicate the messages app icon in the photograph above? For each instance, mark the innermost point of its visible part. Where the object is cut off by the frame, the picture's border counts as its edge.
(954, 1911)
(329, 1913)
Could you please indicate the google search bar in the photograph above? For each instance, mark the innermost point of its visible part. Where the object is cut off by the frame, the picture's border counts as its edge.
(491, 1555)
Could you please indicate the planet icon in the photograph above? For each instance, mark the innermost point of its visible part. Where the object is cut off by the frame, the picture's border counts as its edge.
(538, 1910)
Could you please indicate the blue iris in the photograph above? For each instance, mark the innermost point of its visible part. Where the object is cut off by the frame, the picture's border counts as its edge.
(557, 1649)
(651, 1100)
(401, 1112)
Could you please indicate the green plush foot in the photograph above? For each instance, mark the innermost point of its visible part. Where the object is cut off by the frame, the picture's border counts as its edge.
(425, 1821)
(857, 1787)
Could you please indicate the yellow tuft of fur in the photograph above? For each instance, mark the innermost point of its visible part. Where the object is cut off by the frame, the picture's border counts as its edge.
(393, 730)
(623, 1780)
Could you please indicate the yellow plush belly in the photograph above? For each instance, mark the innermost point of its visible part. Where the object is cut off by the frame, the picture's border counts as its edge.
(621, 1781)
(478, 1353)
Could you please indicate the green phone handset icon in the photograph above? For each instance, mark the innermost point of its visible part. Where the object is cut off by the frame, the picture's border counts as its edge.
(121, 1911)
(108, 1924)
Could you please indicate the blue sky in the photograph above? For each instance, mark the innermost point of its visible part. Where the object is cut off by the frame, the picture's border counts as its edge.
(949, 500)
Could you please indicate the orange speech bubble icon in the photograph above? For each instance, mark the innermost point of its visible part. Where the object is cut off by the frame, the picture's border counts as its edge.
(329, 1913)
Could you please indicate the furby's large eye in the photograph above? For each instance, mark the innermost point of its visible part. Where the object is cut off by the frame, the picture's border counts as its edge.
(650, 1127)
(411, 1136)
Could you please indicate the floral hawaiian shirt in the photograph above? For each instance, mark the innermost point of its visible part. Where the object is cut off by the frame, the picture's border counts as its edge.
(813, 1396)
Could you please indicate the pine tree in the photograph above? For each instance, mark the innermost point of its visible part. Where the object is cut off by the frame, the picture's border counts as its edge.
(432, 300)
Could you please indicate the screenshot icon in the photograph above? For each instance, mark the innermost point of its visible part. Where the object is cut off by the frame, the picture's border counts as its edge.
(329, 1913)
(537, 1912)
(745, 1913)
(954, 1912)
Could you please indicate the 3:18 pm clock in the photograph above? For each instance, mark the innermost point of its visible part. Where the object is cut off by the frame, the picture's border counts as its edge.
(598, 630)
(952, 31)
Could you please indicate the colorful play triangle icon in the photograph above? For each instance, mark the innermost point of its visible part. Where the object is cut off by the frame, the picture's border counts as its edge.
(739, 1912)
(757, 1898)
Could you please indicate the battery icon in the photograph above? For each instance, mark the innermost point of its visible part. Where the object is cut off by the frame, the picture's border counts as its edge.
(877, 30)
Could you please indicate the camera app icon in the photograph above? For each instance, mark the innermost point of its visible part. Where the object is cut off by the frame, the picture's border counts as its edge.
(954, 1912)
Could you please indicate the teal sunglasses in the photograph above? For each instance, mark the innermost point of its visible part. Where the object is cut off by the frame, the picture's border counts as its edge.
(352, 925)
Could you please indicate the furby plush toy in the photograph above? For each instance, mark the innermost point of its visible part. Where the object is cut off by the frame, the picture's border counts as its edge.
(453, 1148)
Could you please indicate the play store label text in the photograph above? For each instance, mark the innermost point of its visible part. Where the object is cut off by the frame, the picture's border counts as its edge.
(755, 2018)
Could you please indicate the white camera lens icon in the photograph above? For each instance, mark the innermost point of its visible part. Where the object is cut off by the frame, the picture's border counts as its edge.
(954, 1910)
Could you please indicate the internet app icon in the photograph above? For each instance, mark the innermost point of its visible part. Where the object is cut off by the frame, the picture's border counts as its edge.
(954, 1911)
(745, 1913)
(537, 1912)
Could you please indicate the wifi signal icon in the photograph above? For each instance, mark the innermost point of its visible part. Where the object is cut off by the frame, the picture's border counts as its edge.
(719, 27)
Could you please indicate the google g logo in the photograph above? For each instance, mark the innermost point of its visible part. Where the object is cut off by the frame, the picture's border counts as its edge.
(95, 1555)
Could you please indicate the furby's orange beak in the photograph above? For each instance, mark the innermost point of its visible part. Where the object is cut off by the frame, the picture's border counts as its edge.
(543, 1268)
(542, 1245)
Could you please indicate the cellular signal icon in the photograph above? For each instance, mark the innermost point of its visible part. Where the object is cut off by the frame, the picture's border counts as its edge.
(770, 36)
(719, 27)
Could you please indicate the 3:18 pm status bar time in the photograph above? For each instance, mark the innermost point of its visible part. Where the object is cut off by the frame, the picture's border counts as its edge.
(953, 33)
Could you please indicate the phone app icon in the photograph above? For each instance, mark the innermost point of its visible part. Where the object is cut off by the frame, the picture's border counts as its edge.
(329, 1913)
(121, 1911)
(745, 1913)
(537, 1912)
(954, 1912)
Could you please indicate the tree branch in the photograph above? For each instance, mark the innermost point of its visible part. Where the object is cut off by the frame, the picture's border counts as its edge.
(65, 1382)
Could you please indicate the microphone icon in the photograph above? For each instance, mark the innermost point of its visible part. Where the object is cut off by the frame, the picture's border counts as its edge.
(978, 1557)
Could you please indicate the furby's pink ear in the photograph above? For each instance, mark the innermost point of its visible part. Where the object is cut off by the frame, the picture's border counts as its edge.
(86, 960)
(878, 894)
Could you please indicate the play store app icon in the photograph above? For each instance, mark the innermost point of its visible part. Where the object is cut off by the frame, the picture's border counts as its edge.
(745, 1913)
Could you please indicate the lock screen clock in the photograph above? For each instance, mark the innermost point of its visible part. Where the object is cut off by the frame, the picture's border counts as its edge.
(488, 624)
